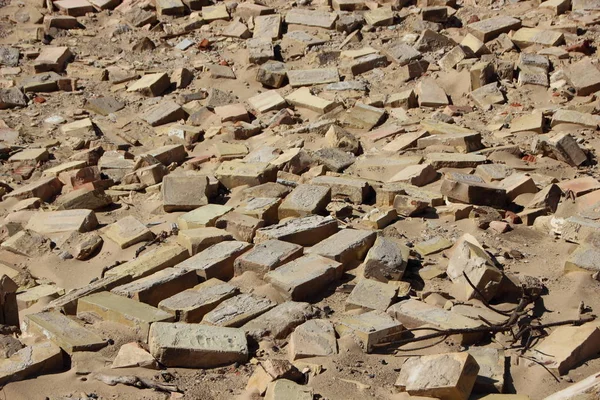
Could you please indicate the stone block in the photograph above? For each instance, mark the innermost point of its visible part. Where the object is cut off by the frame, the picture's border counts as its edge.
(352, 189)
(236, 311)
(488, 95)
(45, 189)
(38, 359)
(413, 314)
(492, 364)
(197, 346)
(449, 376)
(370, 329)
(267, 101)
(198, 239)
(386, 260)
(453, 160)
(216, 261)
(565, 148)
(280, 321)
(164, 256)
(151, 85)
(131, 313)
(305, 231)
(241, 227)
(52, 59)
(184, 192)
(584, 77)
(267, 26)
(237, 173)
(63, 221)
(203, 216)
(491, 28)
(526, 37)
(568, 346)
(305, 200)
(193, 304)
(430, 94)
(64, 331)
(74, 8)
(304, 99)
(271, 73)
(370, 295)
(267, 256)
(154, 288)
(382, 16)
(163, 113)
(310, 77)
(305, 17)
(345, 246)
(305, 277)
(128, 231)
(314, 338)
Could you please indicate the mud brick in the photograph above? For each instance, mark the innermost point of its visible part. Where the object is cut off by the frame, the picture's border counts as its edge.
(382, 16)
(472, 190)
(198, 239)
(267, 256)
(370, 295)
(184, 193)
(481, 74)
(260, 50)
(74, 8)
(309, 77)
(128, 312)
(462, 142)
(216, 261)
(267, 101)
(305, 200)
(203, 216)
(305, 231)
(12, 97)
(64, 331)
(305, 277)
(45, 189)
(345, 246)
(319, 19)
(267, 27)
(242, 227)
(454, 377)
(169, 154)
(169, 7)
(52, 59)
(526, 37)
(272, 74)
(454, 160)
(128, 231)
(370, 329)
(163, 113)
(197, 346)
(216, 12)
(151, 85)
(304, 99)
(236, 173)
(491, 28)
(236, 311)
(566, 149)
(363, 116)
(413, 314)
(156, 287)
(584, 76)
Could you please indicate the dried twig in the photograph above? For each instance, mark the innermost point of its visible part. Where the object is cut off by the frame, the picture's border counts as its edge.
(136, 381)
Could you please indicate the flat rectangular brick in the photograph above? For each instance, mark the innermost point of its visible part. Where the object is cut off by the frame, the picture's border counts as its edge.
(131, 313)
(64, 331)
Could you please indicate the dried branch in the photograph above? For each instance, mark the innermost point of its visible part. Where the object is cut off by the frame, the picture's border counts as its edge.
(136, 381)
